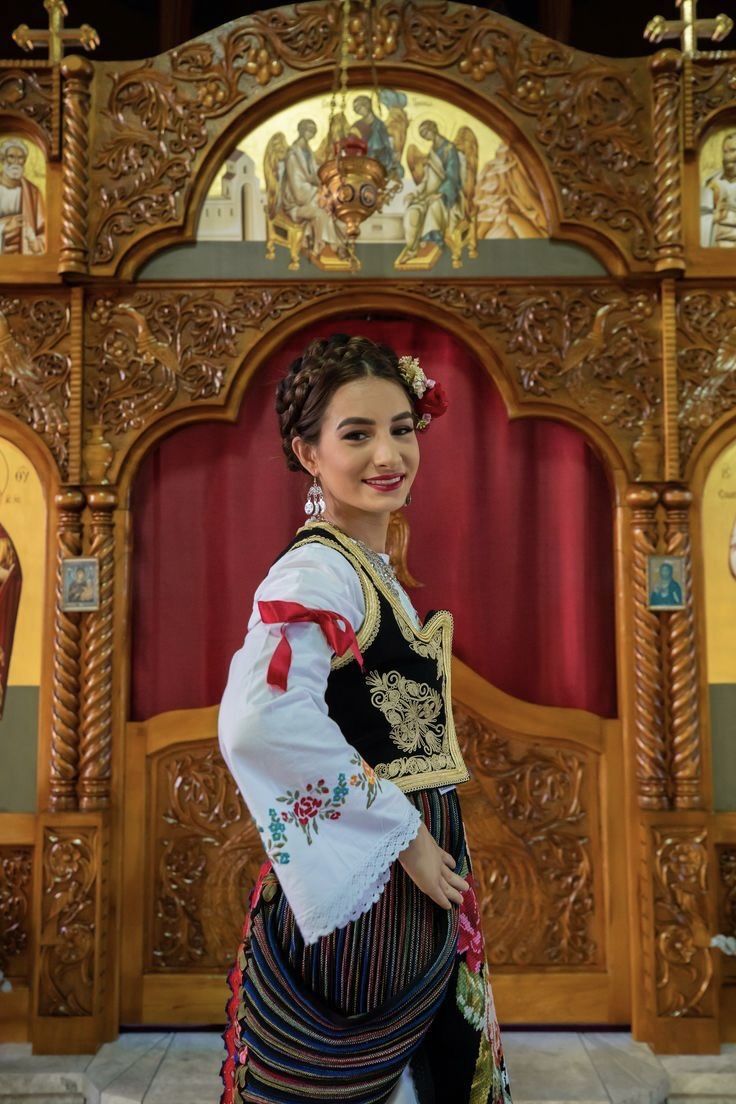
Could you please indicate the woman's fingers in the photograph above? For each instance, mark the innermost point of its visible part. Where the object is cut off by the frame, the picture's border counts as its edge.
(448, 859)
(455, 880)
(440, 897)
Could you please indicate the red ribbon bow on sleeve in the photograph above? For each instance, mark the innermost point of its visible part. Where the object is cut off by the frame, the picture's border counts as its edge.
(338, 632)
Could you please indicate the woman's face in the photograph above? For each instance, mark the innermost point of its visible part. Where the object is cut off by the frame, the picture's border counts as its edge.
(367, 454)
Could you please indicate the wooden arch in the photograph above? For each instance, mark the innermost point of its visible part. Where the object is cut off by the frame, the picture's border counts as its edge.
(302, 87)
(160, 128)
(396, 301)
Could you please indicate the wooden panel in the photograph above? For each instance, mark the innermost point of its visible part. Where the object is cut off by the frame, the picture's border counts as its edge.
(16, 933)
(553, 890)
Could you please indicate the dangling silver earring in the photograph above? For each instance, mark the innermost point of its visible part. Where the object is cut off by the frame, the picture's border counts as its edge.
(314, 507)
(408, 499)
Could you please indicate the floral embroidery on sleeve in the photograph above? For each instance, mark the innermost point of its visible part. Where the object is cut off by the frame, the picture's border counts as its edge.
(314, 803)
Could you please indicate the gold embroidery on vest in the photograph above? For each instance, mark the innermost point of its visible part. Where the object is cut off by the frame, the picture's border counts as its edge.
(428, 649)
(411, 772)
(413, 709)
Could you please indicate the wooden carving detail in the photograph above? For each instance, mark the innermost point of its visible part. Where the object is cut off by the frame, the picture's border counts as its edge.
(667, 161)
(67, 649)
(682, 663)
(595, 350)
(557, 95)
(706, 361)
(537, 885)
(35, 367)
(16, 865)
(714, 91)
(67, 935)
(681, 922)
(95, 751)
(206, 855)
(727, 900)
(158, 121)
(588, 116)
(652, 766)
(30, 89)
(156, 349)
(77, 73)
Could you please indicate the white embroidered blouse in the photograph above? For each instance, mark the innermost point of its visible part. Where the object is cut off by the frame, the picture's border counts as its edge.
(330, 827)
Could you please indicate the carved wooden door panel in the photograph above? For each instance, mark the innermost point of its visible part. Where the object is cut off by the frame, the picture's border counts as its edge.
(544, 820)
(191, 853)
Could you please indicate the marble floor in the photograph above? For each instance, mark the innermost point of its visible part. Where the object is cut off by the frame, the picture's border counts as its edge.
(546, 1067)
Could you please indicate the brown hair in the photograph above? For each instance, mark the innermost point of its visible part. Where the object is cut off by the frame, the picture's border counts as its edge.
(304, 393)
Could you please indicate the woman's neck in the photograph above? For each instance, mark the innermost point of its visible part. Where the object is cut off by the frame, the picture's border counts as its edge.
(371, 529)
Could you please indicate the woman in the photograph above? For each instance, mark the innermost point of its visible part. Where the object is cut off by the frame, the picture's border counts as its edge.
(361, 975)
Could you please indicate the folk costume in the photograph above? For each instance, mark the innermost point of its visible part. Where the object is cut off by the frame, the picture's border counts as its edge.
(351, 985)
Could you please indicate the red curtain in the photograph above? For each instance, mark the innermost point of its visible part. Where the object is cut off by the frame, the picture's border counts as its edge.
(511, 529)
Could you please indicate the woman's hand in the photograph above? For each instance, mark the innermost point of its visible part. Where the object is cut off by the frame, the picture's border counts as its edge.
(433, 870)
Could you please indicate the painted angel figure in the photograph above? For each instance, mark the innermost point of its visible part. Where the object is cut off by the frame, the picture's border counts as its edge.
(385, 140)
(443, 201)
(293, 190)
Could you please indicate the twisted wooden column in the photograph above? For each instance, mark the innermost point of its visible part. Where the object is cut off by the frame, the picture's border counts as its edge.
(667, 159)
(650, 736)
(96, 743)
(77, 73)
(682, 662)
(66, 674)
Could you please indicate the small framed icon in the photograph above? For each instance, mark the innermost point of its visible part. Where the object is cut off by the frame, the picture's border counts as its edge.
(80, 583)
(666, 582)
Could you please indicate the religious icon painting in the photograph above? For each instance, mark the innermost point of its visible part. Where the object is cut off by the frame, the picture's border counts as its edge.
(666, 582)
(717, 166)
(452, 185)
(23, 606)
(22, 196)
(80, 582)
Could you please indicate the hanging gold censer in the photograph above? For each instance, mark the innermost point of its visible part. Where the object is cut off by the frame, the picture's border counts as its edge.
(353, 184)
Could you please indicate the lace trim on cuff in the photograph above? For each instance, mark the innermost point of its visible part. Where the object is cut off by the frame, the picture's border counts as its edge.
(366, 885)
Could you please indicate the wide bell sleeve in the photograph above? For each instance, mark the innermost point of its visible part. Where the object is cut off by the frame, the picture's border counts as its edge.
(331, 828)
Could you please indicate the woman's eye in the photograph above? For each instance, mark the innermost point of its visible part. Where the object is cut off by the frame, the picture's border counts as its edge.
(358, 434)
(403, 430)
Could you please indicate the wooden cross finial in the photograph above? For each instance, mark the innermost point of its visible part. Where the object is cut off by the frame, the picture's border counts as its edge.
(689, 28)
(57, 36)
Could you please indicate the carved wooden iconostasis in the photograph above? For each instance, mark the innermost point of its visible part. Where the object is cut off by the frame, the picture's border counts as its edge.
(152, 270)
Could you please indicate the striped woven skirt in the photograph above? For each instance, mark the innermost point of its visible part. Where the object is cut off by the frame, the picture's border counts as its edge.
(340, 1019)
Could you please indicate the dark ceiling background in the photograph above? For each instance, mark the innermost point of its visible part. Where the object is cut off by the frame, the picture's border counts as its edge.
(143, 28)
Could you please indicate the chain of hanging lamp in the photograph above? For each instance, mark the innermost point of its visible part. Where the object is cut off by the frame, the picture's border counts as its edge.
(353, 184)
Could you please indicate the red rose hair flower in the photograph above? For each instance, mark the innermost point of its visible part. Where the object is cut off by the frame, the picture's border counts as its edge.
(431, 398)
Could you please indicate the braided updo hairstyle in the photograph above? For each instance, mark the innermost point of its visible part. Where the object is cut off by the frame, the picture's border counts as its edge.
(303, 395)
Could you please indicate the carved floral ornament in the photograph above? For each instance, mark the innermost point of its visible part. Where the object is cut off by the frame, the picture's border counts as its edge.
(587, 118)
(714, 92)
(35, 367)
(592, 350)
(31, 91)
(542, 854)
(706, 361)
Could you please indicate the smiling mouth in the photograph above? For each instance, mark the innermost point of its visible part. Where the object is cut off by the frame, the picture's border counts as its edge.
(389, 483)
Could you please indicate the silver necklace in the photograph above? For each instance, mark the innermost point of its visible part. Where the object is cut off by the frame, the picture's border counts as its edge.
(382, 567)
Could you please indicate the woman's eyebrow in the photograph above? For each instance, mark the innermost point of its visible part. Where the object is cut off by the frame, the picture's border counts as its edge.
(370, 421)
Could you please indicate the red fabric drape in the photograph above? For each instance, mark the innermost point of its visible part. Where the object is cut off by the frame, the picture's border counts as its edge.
(511, 529)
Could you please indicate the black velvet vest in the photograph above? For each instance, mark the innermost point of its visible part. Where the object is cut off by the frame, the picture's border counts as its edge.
(397, 711)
